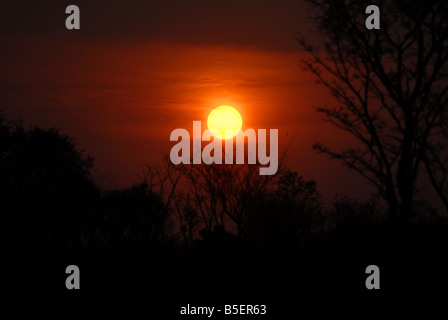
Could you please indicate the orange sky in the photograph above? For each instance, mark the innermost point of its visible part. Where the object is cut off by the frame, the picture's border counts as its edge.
(120, 91)
(122, 102)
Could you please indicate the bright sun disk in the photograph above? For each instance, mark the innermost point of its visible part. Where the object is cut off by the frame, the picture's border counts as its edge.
(222, 118)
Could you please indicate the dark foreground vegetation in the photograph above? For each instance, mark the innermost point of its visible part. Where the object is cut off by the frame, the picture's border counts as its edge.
(199, 232)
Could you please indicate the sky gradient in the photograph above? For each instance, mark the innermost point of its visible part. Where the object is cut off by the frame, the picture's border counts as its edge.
(136, 71)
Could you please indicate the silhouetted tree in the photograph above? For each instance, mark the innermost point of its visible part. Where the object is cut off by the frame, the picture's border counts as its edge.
(165, 180)
(390, 86)
(287, 213)
(131, 218)
(46, 187)
(436, 164)
(222, 194)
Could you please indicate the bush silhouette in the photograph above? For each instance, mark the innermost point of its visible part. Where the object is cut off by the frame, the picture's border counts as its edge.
(46, 187)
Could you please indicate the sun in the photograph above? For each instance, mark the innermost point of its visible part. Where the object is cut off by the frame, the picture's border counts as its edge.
(222, 118)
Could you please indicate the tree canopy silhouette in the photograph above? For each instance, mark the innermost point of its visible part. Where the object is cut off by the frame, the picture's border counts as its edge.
(391, 90)
(45, 186)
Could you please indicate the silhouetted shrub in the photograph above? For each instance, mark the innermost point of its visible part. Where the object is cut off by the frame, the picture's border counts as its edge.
(46, 187)
(131, 217)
